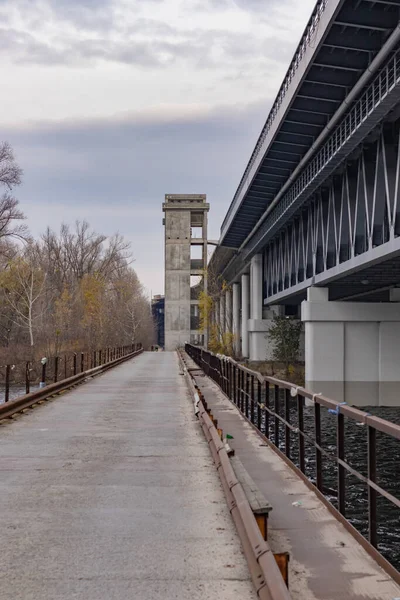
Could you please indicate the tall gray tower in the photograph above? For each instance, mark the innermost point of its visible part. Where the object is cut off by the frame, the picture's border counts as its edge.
(185, 263)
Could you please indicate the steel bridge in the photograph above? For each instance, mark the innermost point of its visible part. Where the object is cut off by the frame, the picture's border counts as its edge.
(318, 204)
(319, 195)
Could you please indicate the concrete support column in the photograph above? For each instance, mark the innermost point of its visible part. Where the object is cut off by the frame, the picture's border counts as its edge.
(222, 314)
(236, 317)
(256, 287)
(245, 315)
(228, 311)
(217, 318)
(351, 349)
(257, 326)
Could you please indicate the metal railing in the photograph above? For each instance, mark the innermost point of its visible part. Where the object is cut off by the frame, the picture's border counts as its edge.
(24, 376)
(279, 411)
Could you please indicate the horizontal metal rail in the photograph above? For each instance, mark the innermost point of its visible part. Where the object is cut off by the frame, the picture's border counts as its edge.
(264, 570)
(267, 403)
(31, 373)
(10, 408)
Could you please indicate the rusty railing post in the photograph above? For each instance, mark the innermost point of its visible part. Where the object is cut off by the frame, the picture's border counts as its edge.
(276, 408)
(300, 414)
(287, 419)
(82, 362)
(341, 469)
(7, 384)
(247, 392)
(44, 363)
(372, 494)
(27, 378)
(318, 453)
(55, 369)
(266, 412)
(74, 364)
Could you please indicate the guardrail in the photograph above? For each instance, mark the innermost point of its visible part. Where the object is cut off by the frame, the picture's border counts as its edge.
(28, 400)
(277, 410)
(28, 374)
(263, 567)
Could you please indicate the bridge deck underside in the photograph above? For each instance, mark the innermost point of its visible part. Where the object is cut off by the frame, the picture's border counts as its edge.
(110, 492)
(372, 284)
(352, 41)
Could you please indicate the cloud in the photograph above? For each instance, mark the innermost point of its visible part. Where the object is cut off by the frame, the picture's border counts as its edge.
(115, 172)
(190, 85)
(75, 33)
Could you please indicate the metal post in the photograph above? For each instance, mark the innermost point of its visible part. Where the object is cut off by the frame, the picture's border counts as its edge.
(252, 397)
(287, 419)
(27, 378)
(55, 369)
(100, 357)
(247, 394)
(7, 382)
(44, 373)
(259, 405)
(372, 494)
(341, 469)
(318, 453)
(300, 414)
(276, 415)
(82, 362)
(75, 371)
(266, 412)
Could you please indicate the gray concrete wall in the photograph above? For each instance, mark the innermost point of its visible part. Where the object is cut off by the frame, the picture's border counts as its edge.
(178, 222)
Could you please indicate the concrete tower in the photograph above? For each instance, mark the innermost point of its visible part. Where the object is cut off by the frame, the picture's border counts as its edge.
(185, 260)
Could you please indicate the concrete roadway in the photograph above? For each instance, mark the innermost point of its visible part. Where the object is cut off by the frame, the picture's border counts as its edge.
(109, 492)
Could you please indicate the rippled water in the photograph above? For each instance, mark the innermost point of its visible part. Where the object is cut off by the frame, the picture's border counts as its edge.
(16, 391)
(388, 470)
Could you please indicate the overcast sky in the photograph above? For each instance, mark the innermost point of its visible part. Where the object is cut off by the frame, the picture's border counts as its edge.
(110, 104)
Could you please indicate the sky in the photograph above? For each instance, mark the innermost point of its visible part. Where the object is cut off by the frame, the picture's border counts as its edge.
(111, 104)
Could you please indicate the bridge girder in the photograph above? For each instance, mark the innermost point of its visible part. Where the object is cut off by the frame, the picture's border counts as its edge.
(346, 47)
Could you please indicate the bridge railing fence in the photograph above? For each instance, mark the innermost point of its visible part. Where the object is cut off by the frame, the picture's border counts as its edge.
(330, 444)
(23, 377)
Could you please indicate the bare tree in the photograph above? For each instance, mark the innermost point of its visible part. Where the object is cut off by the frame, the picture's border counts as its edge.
(10, 215)
(23, 283)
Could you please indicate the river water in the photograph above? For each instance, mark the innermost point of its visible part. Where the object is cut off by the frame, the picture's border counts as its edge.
(388, 471)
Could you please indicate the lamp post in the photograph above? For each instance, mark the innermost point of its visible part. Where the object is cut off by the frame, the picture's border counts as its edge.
(42, 384)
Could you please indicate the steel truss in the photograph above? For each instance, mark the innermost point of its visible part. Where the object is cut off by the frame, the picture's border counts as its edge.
(380, 97)
(358, 211)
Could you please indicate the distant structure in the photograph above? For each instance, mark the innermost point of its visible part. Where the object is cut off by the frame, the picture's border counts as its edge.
(157, 309)
(185, 263)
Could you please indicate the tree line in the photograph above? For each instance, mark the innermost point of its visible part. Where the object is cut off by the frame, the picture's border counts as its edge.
(72, 289)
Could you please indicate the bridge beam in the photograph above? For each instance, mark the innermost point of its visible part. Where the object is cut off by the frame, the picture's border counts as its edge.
(257, 326)
(245, 315)
(236, 317)
(351, 349)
